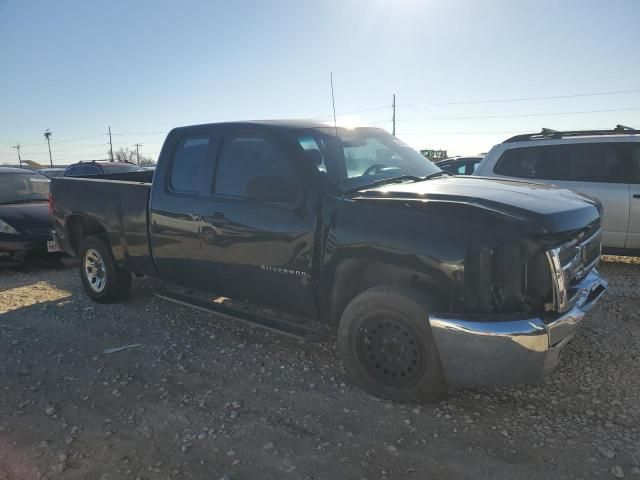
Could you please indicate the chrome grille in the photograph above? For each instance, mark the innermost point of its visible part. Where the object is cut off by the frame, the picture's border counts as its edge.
(569, 264)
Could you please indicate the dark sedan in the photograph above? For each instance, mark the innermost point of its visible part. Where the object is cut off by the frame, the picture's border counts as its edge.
(459, 165)
(25, 223)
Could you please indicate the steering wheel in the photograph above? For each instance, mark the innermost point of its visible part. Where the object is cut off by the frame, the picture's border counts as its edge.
(374, 169)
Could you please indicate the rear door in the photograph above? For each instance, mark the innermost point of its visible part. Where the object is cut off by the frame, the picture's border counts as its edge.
(259, 227)
(600, 170)
(175, 225)
(633, 238)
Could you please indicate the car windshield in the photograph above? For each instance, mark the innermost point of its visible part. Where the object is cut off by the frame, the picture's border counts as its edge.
(23, 187)
(361, 157)
(121, 168)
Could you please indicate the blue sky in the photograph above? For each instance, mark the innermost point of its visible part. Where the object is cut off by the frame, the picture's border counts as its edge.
(145, 66)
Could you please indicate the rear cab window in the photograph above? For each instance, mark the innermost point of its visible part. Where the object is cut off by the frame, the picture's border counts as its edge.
(191, 161)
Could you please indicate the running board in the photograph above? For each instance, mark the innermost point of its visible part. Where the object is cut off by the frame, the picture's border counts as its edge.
(298, 327)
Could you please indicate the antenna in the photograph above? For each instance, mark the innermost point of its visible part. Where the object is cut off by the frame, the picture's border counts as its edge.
(335, 128)
(333, 104)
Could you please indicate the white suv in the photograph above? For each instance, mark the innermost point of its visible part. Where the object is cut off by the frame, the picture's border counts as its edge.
(601, 163)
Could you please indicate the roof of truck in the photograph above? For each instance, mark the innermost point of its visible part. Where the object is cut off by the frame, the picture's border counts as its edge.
(282, 123)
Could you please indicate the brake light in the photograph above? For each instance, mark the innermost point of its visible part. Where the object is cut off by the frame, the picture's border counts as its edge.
(50, 204)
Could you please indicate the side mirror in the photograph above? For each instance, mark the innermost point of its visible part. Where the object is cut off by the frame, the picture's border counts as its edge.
(273, 189)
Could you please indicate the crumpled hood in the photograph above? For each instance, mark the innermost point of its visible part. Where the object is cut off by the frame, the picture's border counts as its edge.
(27, 218)
(554, 209)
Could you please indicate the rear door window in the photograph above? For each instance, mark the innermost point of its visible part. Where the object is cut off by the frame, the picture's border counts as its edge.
(190, 162)
(595, 163)
(580, 162)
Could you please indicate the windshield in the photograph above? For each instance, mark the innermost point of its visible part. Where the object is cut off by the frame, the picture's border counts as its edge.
(361, 157)
(121, 168)
(23, 187)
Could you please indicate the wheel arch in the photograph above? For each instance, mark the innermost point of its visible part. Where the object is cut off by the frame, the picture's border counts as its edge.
(352, 276)
(80, 227)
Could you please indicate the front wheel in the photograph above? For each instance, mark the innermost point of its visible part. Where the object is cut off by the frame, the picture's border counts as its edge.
(101, 278)
(387, 346)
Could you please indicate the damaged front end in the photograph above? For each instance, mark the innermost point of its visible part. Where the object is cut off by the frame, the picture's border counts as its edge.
(519, 306)
(507, 279)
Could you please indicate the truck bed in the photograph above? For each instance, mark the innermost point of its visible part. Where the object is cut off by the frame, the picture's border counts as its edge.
(118, 203)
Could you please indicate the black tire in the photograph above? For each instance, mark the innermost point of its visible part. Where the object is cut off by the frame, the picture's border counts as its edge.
(111, 283)
(387, 346)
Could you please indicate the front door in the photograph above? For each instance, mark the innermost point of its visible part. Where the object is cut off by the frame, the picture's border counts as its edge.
(258, 232)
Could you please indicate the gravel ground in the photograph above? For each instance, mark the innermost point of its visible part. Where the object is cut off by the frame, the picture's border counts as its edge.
(208, 398)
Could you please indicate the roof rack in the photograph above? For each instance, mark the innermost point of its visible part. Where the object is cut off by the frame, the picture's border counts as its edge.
(106, 160)
(548, 134)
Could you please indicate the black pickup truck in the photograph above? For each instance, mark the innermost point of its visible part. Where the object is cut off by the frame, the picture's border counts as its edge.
(430, 281)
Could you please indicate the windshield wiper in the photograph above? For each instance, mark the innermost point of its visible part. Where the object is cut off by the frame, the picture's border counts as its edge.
(435, 175)
(399, 178)
(382, 181)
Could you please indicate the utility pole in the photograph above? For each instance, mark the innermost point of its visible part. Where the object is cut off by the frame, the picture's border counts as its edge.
(394, 115)
(17, 147)
(47, 135)
(110, 143)
(138, 145)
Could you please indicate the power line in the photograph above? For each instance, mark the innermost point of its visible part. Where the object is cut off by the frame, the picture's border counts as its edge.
(495, 132)
(530, 99)
(519, 115)
(57, 150)
(502, 100)
(141, 133)
(373, 109)
(83, 156)
(71, 140)
(581, 112)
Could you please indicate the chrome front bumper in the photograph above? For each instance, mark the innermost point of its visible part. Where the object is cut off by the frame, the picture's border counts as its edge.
(478, 351)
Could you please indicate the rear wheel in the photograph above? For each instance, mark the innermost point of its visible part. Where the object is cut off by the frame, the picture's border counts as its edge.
(387, 345)
(101, 278)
